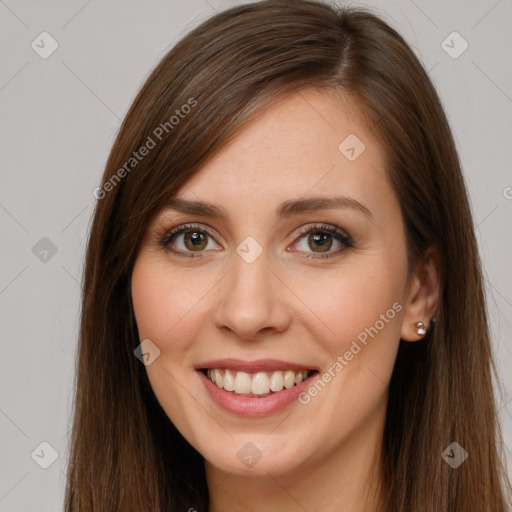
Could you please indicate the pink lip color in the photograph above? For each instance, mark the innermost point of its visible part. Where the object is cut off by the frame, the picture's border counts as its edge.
(248, 406)
(259, 365)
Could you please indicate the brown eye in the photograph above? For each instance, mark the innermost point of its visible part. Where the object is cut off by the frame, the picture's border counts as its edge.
(319, 241)
(189, 241)
(322, 241)
(195, 240)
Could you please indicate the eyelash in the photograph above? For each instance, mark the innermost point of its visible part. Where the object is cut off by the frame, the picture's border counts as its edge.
(346, 240)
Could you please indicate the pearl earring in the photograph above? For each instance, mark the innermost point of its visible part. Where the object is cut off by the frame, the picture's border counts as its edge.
(420, 328)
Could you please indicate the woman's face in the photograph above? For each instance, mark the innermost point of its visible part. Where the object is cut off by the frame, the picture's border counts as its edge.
(304, 270)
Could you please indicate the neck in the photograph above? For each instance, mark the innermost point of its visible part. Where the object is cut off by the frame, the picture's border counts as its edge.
(349, 479)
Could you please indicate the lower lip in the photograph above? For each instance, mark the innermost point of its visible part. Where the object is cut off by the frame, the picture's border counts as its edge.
(249, 406)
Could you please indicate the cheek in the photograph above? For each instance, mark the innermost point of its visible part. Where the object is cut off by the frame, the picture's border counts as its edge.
(359, 304)
(166, 317)
(362, 310)
(164, 303)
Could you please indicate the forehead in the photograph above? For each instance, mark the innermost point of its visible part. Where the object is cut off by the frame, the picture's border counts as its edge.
(309, 143)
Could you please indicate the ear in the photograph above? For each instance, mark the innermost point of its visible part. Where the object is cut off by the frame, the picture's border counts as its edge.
(423, 295)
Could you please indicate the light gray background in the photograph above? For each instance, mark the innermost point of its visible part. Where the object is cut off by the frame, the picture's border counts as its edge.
(58, 119)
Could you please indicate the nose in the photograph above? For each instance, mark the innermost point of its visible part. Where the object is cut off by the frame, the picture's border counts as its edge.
(251, 300)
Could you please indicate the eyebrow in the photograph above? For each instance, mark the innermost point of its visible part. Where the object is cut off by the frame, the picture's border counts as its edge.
(285, 209)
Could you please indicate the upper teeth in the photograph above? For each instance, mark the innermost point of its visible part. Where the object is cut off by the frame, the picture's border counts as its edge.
(260, 383)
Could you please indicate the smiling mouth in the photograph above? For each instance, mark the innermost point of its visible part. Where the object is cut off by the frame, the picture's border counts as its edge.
(259, 384)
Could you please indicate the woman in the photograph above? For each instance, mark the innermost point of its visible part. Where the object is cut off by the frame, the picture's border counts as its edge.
(282, 301)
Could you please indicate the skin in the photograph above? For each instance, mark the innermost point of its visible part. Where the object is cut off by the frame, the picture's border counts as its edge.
(325, 455)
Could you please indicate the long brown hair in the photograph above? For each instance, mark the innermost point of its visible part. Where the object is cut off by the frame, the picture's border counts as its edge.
(125, 453)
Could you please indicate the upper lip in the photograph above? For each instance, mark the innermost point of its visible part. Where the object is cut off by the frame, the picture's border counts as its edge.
(258, 365)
